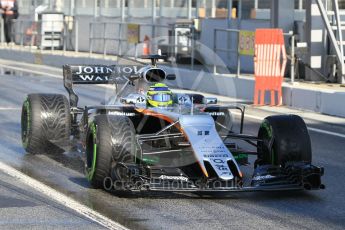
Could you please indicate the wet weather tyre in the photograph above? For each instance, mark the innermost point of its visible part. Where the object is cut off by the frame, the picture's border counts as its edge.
(110, 139)
(285, 138)
(45, 123)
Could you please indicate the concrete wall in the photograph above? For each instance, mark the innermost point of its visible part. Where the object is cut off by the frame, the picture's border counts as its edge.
(229, 40)
(307, 98)
(242, 88)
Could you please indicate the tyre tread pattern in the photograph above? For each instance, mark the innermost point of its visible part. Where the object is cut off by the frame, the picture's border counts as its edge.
(115, 143)
(50, 123)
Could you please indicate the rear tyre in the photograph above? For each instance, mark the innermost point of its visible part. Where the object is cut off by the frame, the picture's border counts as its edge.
(45, 123)
(110, 139)
(285, 139)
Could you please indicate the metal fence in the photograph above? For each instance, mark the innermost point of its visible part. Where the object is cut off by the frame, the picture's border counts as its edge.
(111, 37)
(2, 36)
(161, 8)
(116, 43)
(27, 33)
(234, 41)
(30, 34)
(228, 50)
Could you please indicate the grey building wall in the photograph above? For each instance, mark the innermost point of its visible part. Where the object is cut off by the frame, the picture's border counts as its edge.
(85, 16)
(229, 41)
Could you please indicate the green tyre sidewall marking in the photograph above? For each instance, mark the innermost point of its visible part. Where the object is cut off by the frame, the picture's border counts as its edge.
(269, 131)
(91, 171)
(240, 156)
(268, 128)
(26, 106)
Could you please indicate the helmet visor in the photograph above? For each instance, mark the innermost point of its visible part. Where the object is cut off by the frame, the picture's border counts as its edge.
(161, 97)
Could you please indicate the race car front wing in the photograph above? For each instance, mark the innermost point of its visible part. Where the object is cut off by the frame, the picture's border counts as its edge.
(293, 176)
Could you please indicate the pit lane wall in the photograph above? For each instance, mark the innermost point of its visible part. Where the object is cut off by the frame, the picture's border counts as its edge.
(305, 97)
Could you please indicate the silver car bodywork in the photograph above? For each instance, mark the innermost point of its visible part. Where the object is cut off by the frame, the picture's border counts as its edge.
(192, 124)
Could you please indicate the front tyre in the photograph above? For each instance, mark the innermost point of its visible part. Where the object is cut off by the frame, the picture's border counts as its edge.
(45, 123)
(285, 138)
(110, 139)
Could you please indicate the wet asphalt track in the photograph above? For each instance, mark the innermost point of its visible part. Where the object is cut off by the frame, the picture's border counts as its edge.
(322, 209)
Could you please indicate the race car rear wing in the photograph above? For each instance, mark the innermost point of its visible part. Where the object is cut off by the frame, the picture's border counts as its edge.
(95, 74)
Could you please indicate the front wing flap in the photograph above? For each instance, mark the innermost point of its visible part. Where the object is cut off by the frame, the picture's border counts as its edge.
(293, 176)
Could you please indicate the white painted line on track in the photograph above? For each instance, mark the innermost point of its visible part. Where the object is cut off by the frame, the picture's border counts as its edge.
(9, 108)
(106, 86)
(250, 116)
(309, 128)
(61, 198)
(45, 74)
(4, 62)
(326, 132)
(31, 71)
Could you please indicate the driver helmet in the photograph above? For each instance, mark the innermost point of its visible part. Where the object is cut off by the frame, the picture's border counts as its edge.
(159, 95)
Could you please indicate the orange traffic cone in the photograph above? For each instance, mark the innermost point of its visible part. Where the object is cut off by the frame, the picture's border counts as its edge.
(146, 45)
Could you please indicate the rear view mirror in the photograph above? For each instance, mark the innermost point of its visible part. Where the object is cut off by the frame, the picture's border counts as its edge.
(210, 100)
(171, 77)
(126, 100)
(133, 77)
